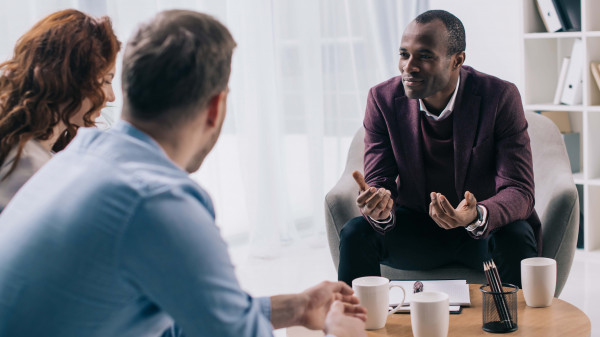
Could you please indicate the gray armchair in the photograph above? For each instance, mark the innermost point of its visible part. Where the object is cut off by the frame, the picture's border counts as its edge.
(556, 203)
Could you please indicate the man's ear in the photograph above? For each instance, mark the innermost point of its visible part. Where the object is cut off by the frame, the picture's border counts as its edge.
(458, 60)
(215, 108)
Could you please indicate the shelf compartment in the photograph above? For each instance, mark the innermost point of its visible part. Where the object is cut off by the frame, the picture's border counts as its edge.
(593, 55)
(546, 35)
(543, 60)
(592, 217)
(589, 17)
(555, 107)
(592, 162)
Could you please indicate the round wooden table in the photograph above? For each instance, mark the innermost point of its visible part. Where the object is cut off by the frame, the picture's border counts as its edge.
(559, 319)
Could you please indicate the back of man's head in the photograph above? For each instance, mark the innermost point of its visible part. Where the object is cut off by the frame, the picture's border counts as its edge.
(173, 65)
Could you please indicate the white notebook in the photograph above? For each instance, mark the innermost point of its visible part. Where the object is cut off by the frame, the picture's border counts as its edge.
(457, 290)
(405, 309)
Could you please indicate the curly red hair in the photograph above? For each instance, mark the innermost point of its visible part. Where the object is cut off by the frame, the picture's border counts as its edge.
(55, 66)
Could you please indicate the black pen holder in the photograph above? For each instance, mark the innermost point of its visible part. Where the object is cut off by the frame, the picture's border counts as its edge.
(499, 308)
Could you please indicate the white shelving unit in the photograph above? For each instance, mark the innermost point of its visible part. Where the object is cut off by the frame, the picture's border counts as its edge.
(542, 56)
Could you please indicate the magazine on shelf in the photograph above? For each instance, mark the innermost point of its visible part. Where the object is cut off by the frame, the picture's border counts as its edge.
(569, 12)
(572, 93)
(595, 67)
(550, 15)
(561, 80)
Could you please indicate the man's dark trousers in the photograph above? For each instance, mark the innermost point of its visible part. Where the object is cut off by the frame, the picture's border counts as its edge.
(418, 243)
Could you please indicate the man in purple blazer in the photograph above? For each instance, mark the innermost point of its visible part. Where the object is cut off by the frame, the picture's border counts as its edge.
(448, 168)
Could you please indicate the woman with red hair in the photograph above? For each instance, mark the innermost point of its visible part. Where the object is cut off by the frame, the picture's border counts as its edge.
(58, 80)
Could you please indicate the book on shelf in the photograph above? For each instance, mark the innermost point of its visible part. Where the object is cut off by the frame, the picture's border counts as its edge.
(550, 15)
(572, 92)
(569, 11)
(561, 80)
(572, 143)
(560, 118)
(595, 66)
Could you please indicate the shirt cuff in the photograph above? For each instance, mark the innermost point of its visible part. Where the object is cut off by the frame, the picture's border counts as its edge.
(265, 306)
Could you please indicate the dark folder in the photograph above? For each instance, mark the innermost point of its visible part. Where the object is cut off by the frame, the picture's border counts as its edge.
(569, 14)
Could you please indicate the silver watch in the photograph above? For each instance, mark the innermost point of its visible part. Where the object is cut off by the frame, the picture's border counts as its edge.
(478, 221)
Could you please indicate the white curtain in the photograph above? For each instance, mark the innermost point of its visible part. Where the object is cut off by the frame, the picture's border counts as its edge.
(298, 89)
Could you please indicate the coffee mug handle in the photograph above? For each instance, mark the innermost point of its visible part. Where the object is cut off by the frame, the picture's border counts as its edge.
(395, 310)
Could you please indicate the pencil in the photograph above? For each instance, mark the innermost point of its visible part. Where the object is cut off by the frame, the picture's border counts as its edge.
(499, 286)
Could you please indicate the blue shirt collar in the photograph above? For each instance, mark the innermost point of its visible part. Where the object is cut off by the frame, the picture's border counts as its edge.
(124, 127)
(128, 129)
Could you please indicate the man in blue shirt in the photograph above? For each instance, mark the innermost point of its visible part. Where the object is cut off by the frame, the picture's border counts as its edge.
(112, 238)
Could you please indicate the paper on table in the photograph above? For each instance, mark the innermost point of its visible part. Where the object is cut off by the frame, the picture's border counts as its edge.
(406, 308)
(457, 290)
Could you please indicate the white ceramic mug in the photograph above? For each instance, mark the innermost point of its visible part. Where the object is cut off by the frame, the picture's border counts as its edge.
(538, 279)
(373, 293)
(429, 314)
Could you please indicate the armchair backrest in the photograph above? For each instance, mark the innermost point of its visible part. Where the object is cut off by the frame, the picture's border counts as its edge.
(556, 199)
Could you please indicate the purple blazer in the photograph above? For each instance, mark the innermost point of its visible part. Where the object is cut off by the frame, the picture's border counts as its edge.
(492, 155)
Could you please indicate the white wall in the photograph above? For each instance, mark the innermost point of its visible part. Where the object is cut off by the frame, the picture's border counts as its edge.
(493, 30)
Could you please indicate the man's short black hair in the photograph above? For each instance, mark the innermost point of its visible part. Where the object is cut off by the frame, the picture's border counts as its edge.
(456, 31)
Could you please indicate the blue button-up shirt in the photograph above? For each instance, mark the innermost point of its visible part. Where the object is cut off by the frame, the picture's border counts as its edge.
(111, 238)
